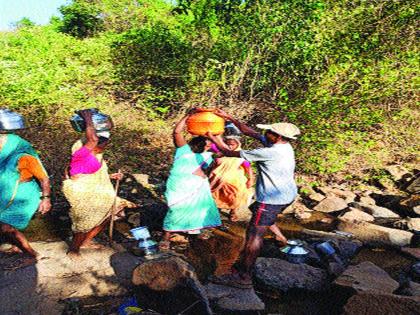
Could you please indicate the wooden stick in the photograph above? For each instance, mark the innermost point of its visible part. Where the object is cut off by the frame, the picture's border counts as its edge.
(114, 209)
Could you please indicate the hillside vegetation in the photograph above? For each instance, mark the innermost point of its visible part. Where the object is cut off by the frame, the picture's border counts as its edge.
(345, 72)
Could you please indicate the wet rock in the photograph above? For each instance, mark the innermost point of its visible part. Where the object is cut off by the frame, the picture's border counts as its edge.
(366, 276)
(169, 279)
(376, 211)
(231, 299)
(356, 215)
(373, 303)
(331, 204)
(413, 252)
(282, 276)
(411, 289)
(397, 172)
(415, 271)
(414, 186)
(375, 234)
(346, 249)
(347, 195)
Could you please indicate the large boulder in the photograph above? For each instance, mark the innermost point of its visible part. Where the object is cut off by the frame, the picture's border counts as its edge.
(169, 284)
(376, 211)
(374, 303)
(282, 276)
(413, 224)
(331, 204)
(374, 234)
(357, 215)
(234, 300)
(366, 276)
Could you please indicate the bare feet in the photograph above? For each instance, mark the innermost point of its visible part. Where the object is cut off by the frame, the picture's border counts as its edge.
(74, 255)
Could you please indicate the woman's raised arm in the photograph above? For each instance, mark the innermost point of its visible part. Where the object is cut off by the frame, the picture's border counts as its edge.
(179, 139)
(91, 137)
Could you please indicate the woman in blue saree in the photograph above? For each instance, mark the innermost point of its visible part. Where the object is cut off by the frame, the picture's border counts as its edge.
(191, 205)
(20, 194)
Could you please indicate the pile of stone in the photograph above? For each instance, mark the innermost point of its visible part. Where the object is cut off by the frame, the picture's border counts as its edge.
(376, 216)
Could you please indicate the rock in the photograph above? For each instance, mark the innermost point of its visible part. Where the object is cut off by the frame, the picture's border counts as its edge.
(331, 204)
(367, 200)
(411, 205)
(375, 234)
(170, 285)
(356, 215)
(374, 303)
(376, 211)
(298, 209)
(163, 274)
(411, 289)
(413, 224)
(366, 276)
(415, 271)
(346, 249)
(282, 276)
(134, 219)
(233, 299)
(347, 195)
(413, 252)
(414, 186)
(142, 179)
(397, 172)
(37, 289)
(316, 197)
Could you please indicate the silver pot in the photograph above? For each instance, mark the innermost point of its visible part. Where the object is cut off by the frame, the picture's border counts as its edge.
(10, 120)
(294, 252)
(101, 122)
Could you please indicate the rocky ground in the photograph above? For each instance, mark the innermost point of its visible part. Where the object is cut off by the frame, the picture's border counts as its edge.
(374, 231)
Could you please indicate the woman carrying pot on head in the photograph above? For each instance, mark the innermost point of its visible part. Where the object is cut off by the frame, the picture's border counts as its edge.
(88, 188)
(231, 180)
(21, 175)
(191, 205)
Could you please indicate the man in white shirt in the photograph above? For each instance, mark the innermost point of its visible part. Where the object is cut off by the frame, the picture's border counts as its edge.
(275, 191)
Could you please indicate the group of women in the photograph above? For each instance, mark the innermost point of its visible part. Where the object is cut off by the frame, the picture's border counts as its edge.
(200, 183)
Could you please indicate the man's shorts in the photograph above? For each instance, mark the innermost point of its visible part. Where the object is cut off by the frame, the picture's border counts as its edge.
(265, 214)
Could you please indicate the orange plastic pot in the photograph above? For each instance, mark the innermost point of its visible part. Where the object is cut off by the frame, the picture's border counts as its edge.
(204, 121)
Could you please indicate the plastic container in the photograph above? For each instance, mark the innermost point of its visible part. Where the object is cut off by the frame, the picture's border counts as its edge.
(101, 122)
(325, 248)
(10, 120)
(204, 121)
(141, 232)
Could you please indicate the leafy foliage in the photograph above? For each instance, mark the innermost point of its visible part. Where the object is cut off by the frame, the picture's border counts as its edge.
(344, 71)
